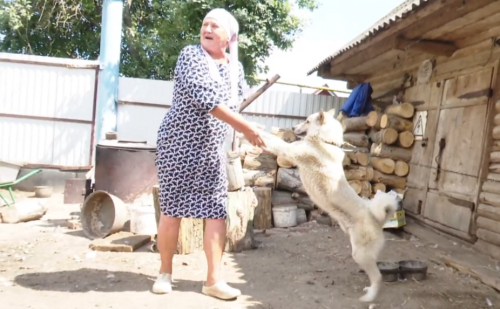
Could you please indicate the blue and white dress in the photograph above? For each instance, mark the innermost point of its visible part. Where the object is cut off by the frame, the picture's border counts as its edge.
(190, 158)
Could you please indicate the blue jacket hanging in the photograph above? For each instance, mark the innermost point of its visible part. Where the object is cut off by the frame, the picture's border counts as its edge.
(359, 101)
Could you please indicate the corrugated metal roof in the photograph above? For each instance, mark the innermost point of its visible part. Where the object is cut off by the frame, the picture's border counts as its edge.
(400, 12)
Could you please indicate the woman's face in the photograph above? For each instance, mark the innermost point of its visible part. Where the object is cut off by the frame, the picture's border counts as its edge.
(213, 36)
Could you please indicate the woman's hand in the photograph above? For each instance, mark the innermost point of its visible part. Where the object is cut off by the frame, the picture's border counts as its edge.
(235, 120)
(253, 136)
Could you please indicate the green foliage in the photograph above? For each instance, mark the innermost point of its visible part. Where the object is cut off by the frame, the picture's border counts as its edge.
(153, 31)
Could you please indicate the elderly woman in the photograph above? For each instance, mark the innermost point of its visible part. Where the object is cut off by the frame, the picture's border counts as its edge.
(190, 147)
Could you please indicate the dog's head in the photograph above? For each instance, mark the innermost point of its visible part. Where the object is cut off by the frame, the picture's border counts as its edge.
(322, 124)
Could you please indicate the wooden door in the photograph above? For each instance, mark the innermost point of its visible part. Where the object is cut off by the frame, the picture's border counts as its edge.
(457, 151)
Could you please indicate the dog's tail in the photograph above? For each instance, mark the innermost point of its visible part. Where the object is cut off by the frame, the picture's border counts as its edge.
(384, 205)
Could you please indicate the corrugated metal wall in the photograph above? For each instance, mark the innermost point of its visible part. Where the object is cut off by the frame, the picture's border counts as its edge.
(286, 109)
(46, 110)
(143, 104)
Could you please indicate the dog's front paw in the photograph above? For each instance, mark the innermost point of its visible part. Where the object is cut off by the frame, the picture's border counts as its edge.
(370, 295)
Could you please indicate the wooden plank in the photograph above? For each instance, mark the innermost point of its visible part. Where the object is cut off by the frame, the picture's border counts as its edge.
(468, 89)
(471, 267)
(487, 248)
(490, 212)
(489, 225)
(120, 242)
(463, 131)
(430, 16)
(468, 19)
(478, 37)
(426, 46)
(472, 29)
(453, 10)
(414, 200)
(375, 64)
(477, 59)
(452, 213)
(490, 199)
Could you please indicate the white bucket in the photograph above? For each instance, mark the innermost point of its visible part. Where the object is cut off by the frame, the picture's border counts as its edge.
(285, 215)
(301, 216)
(143, 220)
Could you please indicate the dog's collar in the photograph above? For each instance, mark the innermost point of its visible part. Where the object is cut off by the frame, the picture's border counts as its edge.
(344, 144)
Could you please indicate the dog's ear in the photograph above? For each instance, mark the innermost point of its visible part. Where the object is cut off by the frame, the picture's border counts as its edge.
(322, 117)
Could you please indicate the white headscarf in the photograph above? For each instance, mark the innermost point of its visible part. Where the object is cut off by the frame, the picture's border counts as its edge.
(230, 25)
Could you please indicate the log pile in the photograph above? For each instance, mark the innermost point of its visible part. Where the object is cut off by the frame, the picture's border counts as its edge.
(488, 210)
(384, 142)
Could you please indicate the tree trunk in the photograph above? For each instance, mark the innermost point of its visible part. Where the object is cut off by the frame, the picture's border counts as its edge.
(401, 169)
(289, 179)
(285, 134)
(357, 139)
(384, 165)
(234, 170)
(282, 162)
(389, 180)
(346, 161)
(397, 123)
(366, 189)
(404, 110)
(405, 139)
(359, 173)
(354, 124)
(373, 119)
(356, 185)
(378, 186)
(259, 170)
(363, 158)
(392, 152)
(239, 223)
(387, 136)
(262, 219)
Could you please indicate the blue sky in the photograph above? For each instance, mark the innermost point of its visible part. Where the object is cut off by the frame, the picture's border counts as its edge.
(332, 25)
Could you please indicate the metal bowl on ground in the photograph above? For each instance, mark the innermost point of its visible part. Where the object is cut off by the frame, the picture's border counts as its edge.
(412, 269)
(389, 271)
(43, 191)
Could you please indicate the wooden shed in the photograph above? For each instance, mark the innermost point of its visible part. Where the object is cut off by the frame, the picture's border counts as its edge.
(443, 57)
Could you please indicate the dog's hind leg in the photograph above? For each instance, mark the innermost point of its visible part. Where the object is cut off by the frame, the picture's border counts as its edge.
(369, 264)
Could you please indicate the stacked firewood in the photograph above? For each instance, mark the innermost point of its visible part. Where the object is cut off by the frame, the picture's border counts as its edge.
(383, 150)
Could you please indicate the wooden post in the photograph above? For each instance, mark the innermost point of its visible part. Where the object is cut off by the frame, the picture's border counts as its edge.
(239, 223)
(262, 219)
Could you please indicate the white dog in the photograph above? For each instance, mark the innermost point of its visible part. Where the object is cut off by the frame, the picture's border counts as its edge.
(319, 159)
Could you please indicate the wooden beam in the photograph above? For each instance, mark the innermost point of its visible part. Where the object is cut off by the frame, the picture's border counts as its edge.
(427, 18)
(426, 46)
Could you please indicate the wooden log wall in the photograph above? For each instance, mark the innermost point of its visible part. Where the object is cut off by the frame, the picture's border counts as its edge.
(488, 210)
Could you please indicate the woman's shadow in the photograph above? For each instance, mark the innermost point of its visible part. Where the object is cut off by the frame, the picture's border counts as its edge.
(85, 280)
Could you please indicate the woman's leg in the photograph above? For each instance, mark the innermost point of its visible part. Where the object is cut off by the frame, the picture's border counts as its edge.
(214, 242)
(168, 233)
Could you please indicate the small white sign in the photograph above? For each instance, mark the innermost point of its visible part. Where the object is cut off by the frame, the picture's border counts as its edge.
(419, 124)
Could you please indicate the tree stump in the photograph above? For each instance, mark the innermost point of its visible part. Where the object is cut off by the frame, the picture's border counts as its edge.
(354, 124)
(289, 179)
(262, 219)
(239, 223)
(234, 171)
(404, 110)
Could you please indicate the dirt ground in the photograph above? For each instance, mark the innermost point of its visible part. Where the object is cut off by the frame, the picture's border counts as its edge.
(45, 265)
